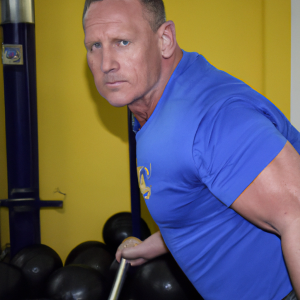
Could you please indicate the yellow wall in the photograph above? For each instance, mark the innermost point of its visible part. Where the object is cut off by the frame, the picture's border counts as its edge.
(248, 39)
(82, 140)
(83, 147)
(277, 53)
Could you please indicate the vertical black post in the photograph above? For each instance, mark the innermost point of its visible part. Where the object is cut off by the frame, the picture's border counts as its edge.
(19, 73)
(134, 185)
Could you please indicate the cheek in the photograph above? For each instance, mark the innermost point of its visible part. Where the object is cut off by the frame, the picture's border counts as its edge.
(152, 67)
(93, 67)
(89, 61)
(92, 61)
(140, 66)
(130, 65)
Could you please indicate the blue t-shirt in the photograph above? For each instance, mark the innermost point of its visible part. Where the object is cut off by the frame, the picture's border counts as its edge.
(208, 138)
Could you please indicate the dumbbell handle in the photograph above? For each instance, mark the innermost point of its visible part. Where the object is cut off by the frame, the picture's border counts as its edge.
(119, 280)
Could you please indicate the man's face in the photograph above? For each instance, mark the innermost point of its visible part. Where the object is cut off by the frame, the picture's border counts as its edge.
(123, 52)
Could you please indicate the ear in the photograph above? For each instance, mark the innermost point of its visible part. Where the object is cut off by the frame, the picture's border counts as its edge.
(167, 36)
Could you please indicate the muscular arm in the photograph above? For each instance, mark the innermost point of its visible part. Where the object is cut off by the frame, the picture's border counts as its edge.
(272, 202)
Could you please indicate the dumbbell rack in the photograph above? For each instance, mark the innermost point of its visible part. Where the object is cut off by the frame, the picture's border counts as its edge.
(19, 72)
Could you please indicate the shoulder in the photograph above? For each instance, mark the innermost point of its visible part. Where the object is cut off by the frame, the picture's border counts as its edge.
(233, 144)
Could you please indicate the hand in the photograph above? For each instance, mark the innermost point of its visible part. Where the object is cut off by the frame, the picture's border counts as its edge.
(137, 252)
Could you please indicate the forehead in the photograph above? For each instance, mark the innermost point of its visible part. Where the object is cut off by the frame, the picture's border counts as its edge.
(125, 12)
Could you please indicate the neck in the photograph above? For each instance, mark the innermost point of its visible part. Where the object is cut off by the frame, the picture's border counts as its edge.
(143, 108)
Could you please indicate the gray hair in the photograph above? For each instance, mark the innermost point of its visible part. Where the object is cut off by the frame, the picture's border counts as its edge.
(155, 9)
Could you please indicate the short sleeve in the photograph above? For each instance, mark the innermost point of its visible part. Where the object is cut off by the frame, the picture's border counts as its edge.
(233, 144)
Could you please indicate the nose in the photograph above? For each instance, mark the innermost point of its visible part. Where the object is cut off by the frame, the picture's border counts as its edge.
(109, 61)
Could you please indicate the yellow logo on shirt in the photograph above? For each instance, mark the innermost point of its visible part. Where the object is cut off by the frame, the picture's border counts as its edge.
(143, 172)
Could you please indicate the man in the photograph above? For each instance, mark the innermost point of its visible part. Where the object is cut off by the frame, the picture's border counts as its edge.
(218, 163)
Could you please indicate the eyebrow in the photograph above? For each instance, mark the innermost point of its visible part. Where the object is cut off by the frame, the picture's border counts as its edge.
(88, 44)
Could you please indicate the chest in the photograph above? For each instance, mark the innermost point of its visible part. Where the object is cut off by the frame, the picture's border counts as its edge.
(167, 175)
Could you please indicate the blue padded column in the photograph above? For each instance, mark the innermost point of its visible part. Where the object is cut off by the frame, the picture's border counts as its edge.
(19, 72)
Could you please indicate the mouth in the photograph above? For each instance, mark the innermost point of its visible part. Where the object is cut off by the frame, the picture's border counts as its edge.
(114, 83)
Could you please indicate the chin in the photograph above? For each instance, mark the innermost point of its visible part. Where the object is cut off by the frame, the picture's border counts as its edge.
(117, 102)
(116, 98)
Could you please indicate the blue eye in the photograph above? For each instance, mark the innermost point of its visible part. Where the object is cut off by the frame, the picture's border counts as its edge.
(96, 45)
(124, 43)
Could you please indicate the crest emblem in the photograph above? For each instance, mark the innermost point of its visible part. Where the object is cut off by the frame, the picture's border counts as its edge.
(143, 173)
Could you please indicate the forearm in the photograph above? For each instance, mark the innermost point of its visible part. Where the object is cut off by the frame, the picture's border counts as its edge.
(290, 242)
(155, 245)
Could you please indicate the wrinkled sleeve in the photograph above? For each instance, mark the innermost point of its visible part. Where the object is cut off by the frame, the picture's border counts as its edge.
(233, 144)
